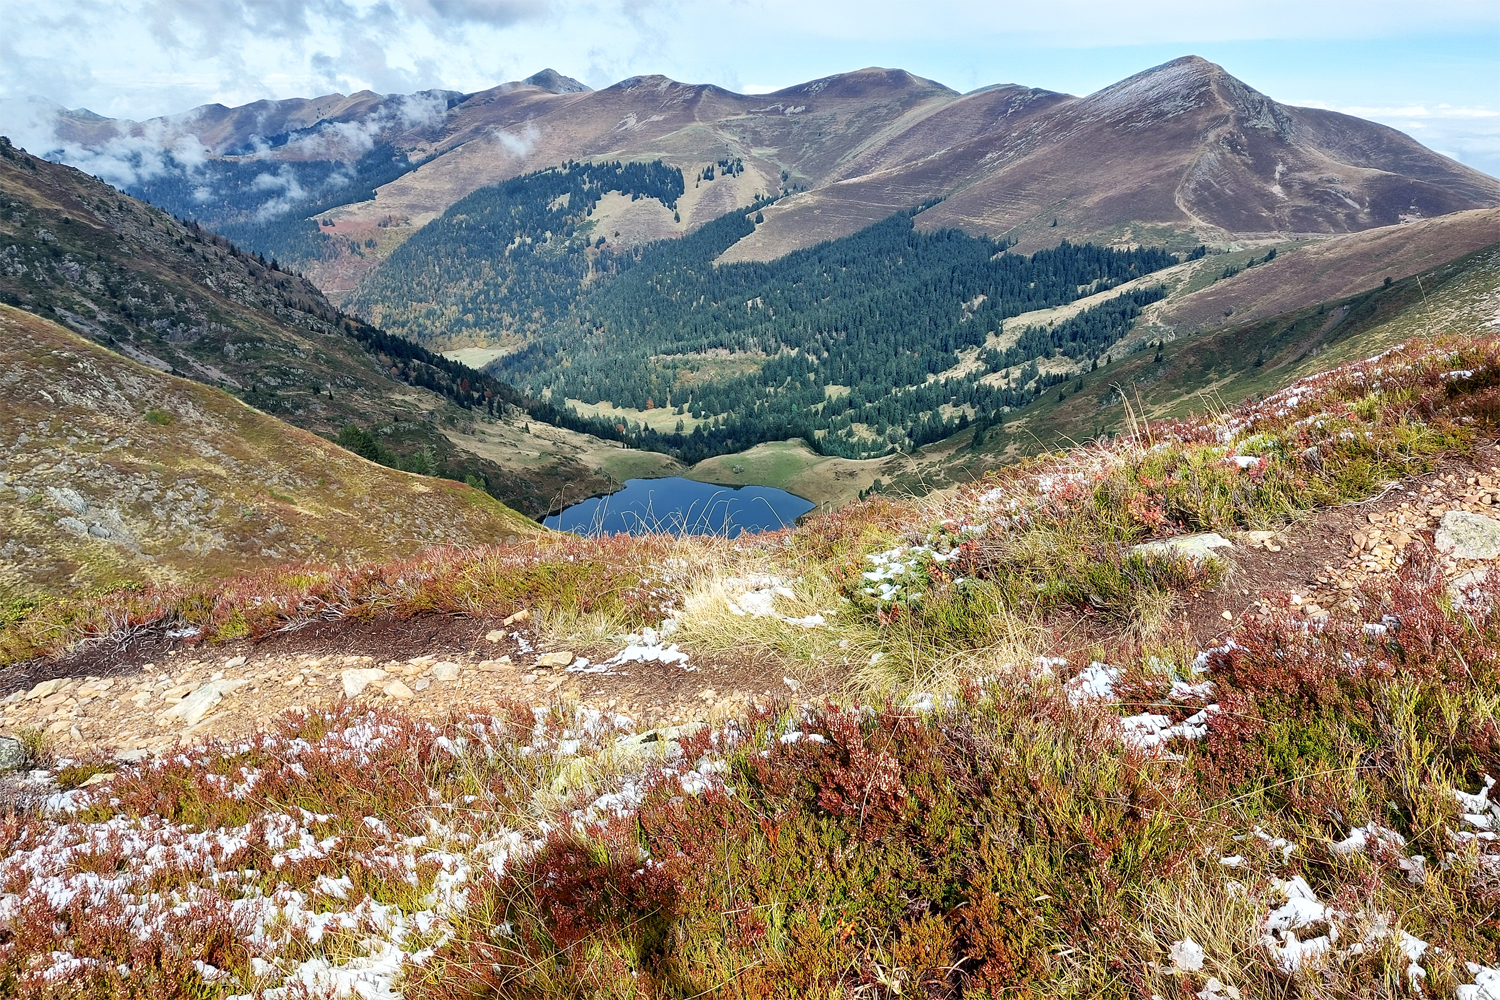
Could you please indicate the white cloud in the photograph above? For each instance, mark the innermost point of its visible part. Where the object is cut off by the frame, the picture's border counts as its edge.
(120, 158)
(1406, 111)
(1469, 134)
(139, 59)
(518, 144)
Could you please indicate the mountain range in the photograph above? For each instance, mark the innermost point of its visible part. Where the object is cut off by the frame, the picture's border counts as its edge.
(1181, 154)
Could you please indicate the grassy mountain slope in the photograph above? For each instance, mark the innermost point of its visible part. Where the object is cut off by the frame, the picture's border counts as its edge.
(183, 300)
(851, 149)
(1320, 271)
(1223, 367)
(852, 345)
(1059, 766)
(893, 335)
(116, 473)
(1179, 154)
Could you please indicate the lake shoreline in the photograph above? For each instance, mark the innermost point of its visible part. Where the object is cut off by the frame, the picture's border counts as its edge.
(678, 505)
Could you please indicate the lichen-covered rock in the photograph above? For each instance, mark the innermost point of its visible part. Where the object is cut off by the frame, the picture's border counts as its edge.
(13, 755)
(1466, 535)
(1198, 548)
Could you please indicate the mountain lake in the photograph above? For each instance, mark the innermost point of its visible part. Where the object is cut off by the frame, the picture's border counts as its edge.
(682, 507)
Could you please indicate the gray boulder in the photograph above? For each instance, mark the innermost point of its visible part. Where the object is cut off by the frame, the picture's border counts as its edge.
(1198, 548)
(1465, 535)
(12, 755)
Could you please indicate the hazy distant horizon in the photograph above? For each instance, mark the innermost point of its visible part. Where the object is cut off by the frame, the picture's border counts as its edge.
(1431, 70)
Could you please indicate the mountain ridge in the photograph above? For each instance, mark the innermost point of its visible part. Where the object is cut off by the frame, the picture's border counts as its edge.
(1263, 168)
(1180, 152)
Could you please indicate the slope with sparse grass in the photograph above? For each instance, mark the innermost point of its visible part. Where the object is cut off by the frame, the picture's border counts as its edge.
(115, 473)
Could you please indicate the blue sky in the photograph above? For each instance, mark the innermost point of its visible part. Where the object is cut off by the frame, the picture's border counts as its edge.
(1428, 67)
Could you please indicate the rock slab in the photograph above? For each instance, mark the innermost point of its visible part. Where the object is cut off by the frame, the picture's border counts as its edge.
(1465, 535)
(1198, 548)
(355, 681)
(192, 709)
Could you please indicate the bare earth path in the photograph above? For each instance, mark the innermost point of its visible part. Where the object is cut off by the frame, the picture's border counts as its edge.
(151, 695)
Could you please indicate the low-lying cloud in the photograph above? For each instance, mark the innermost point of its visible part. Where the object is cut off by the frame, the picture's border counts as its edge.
(127, 154)
(518, 144)
(122, 158)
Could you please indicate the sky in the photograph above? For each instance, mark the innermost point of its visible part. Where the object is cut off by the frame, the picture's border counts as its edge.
(1428, 67)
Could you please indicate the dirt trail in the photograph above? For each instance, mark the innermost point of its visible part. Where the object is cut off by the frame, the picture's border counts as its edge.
(1320, 564)
(152, 694)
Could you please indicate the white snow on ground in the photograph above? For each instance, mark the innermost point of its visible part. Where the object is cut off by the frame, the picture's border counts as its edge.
(1482, 813)
(1301, 910)
(1286, 847)
(900, 573)
(755, 597)
(1183, 691)
(1480, 810)
(1486, 983)
(1303, 930)
(645, 647)
(1148, 731)
(1095, 682)
(1371, 835)
(1186, 956)
(274, 913)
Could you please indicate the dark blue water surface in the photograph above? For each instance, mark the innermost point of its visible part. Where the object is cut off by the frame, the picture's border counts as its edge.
(682, 507)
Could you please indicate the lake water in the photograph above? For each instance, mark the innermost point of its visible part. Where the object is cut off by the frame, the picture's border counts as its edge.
(682, 507)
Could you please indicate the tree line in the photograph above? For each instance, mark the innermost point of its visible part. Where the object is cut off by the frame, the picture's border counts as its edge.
(509, 257)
